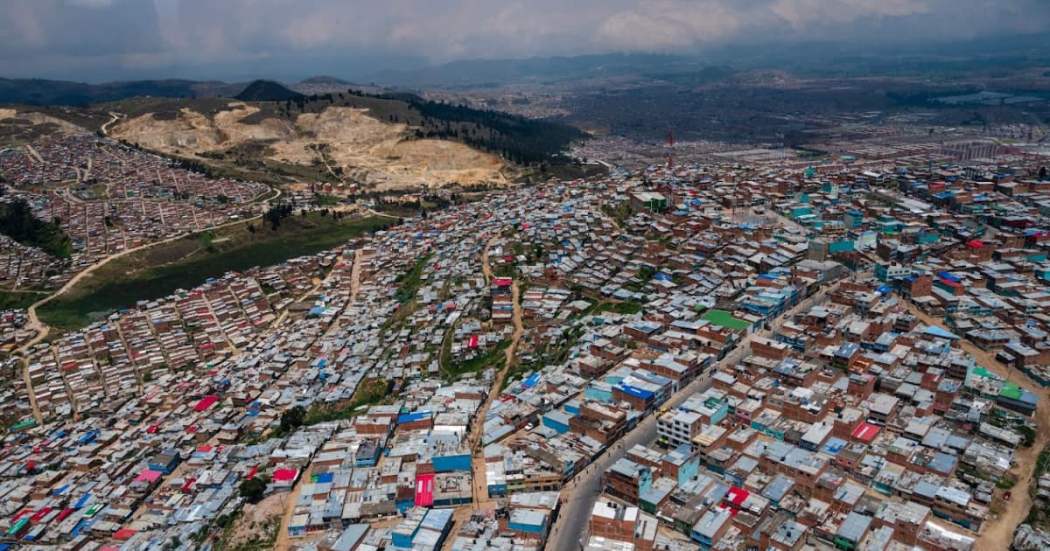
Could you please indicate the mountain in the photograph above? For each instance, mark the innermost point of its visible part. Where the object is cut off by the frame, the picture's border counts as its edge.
(267, 90)
(544, 69)
(324, 80)
(62, 92)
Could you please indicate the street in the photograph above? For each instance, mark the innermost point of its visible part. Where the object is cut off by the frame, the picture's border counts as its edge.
(580, 494)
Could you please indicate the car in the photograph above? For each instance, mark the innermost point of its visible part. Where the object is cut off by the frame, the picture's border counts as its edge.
(529, 427)
(1007, 495)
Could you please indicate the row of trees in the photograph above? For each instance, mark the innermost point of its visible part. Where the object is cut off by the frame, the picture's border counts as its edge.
(18, 223)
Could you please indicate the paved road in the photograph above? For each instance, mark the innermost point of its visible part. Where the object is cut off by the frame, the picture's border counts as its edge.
(579, 495)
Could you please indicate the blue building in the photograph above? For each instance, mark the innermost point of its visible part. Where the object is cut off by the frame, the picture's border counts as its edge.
(713, 524)
(530, 521)
(556, 420)
(452, 462)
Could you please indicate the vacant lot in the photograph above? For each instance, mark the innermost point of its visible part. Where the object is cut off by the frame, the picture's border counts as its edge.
(158, 271)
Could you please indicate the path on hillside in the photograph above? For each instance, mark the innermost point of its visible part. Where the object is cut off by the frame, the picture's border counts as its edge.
(42, 329)
(116, 117)
(481, 499)
(997, 534)
(33, 153)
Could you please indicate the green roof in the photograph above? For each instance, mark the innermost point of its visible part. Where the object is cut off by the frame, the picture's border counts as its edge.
(722, 318)
(983, 373)
(1010, 390)
(24, 425)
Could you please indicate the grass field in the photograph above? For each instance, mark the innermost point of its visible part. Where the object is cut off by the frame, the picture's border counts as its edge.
(158, 271)
(19, 299)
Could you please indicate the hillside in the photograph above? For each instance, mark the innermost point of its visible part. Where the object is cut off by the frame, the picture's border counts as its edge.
(267, 90)
(60, 92)
(303, 140)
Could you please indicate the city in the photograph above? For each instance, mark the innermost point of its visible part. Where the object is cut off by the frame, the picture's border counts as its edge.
(590, 276)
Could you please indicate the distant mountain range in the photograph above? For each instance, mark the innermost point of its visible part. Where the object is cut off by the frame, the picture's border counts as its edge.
(60, 92)
(838, 59)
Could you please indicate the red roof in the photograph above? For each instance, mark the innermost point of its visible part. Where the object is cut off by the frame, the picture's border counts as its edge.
(285, 475)
(473, 342)
(975, 244)
(866, 432)
(737, 496)
(148, 475)
(124, 534)
(503, 281)
(205, 403)
(950, 283)
(424, 490)
(252, 473)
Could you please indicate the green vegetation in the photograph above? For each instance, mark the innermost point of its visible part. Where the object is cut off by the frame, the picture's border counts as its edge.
(1039, 514)
(19, 299)
(369, 392)
(620, 212)
(18, 223)
(325, 200)
(267, 90)
(410, 282)
(626, 308)
(253, 489)
(158, 271)
(494, 356)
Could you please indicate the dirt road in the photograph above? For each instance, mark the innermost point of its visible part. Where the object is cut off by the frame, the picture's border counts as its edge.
(42, 330)
(997, 534)
(283, 541)
(116, 117)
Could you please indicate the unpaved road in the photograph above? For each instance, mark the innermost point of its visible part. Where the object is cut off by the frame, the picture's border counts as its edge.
(997, 534)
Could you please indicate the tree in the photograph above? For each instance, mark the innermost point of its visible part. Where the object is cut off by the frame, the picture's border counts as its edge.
(292, 419)
(252, 490)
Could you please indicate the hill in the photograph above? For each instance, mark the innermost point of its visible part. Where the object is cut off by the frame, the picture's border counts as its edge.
(324, 80)
(267, 90)
(67, 93)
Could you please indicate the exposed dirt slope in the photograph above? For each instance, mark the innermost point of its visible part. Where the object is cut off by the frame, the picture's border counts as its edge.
(368, 151)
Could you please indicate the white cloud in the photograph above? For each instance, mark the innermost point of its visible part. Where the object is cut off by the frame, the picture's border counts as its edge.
(194, 32)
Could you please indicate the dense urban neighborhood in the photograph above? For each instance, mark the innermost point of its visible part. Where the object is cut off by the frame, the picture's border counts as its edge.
(719, 353)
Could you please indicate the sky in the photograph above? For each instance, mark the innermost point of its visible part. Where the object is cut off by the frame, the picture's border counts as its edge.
(100, 40)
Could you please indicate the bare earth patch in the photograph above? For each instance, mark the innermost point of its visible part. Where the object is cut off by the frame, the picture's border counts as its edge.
(375, 153)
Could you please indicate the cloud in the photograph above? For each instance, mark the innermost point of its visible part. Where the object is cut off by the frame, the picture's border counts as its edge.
(51, 35)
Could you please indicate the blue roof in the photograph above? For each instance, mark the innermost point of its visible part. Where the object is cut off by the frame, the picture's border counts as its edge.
(948, 276)
(885, 289)
(938, 332)
(410, 417)
(531, 381)
(325, 478)
(635, 392)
